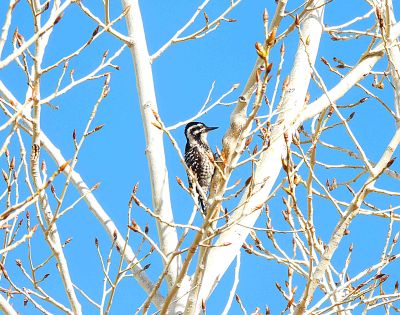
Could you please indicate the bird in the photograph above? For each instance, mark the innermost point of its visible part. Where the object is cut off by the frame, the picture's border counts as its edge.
(198, 158)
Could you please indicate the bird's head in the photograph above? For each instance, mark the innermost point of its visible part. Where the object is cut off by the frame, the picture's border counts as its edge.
(195, 131)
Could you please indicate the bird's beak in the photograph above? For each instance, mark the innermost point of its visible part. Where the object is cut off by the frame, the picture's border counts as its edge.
(211, 128)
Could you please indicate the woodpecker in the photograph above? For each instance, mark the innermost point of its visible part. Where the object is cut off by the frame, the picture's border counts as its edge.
(198, 155)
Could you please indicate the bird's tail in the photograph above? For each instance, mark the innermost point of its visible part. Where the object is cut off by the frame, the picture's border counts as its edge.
(203, 205)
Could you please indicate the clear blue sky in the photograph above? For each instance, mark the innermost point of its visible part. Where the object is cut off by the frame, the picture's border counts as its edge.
(183, 76)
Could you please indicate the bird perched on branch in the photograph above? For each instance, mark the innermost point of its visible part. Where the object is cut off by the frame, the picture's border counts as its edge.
(199, 158)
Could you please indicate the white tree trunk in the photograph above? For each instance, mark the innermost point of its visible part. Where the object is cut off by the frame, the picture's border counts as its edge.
(154, 137)
(269, 166)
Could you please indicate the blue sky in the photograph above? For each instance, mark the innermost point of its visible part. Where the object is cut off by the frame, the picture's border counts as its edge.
(183, 76)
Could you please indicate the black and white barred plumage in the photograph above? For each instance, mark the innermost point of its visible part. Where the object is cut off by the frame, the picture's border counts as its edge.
(197, 156)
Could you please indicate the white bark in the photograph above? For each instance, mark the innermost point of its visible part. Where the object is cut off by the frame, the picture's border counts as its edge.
(338, 233)
(51, 235)
(185, 293)
(45, 28)
(103, 218)
(394, 57)
(92, 203)
(154, 137)
(369, 59)
(268, 168)
(5, 307)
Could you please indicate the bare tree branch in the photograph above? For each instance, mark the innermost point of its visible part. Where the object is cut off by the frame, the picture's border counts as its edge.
(154, 137)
